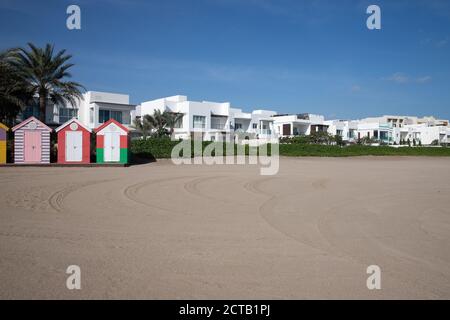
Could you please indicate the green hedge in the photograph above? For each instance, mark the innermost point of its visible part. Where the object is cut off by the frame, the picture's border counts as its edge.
(152, 148)
(299, 150)
(160, 148)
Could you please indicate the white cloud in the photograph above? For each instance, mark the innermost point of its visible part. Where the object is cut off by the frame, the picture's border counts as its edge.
(356, 88)
(399, 77)
(402, 78)
(442, 43)
(424, 79)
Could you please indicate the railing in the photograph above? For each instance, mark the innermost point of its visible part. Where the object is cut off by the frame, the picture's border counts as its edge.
(265, 131)
(218, 126)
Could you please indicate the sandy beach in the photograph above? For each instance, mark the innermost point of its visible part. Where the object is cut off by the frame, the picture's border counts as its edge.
(161, 231)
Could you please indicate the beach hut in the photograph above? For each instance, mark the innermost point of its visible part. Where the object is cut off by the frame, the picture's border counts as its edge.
(31, 142)
(3, 130)
(74, 142)
(112, 142)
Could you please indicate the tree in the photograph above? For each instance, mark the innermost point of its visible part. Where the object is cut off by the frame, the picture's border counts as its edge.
(321, 137)
(366, 140)
(13, 90)
(172, 119)
(44, 73)
(143, 126)
(158, 122)
(339, 140)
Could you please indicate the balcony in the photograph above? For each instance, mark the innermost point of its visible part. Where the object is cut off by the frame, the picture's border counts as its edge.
(219, 123)
(265, 131)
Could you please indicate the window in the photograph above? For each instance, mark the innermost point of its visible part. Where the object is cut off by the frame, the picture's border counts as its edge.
(65, 114)
(238, 126)
(31, 111)
(117, 115)
(351, 133)
(218, 123)
(339, 133)
(199, 122)
(179, 123)
(103, 116)
(255, 126)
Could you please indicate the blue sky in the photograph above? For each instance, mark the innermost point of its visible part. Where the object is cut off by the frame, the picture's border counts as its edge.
(291, 56)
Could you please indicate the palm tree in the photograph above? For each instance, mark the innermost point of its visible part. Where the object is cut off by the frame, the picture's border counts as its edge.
(13, 92)
(44, 73)
(158, 121)
(143, 126)
(172, 119)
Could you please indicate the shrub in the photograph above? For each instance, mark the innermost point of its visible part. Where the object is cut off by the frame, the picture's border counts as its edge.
(161, 148)
(152, 148)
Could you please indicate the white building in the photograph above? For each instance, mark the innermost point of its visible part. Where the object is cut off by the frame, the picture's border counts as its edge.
(381, 132)
(346, 129)
(288, 125)
(98, 107)
(394, 129)
(214, 121)
(400, 121)
(424, 133)
(92, 110)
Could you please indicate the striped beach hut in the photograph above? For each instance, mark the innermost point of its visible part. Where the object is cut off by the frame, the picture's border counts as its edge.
(3, 130)
(31, 142)
(74, 142)
(112, 142)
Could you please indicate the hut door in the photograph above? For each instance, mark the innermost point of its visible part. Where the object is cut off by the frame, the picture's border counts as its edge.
(112, 146)
(74, 147)
(32, 146)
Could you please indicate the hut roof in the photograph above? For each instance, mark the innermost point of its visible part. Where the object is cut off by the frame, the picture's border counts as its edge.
(65, 124)
(23, 123)
(107, 123)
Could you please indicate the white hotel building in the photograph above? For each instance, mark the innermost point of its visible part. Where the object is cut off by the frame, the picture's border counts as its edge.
(214, 121)
(219, 121)
(92, 110)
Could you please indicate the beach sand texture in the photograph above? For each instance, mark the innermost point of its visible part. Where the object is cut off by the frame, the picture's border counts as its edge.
(161, 231)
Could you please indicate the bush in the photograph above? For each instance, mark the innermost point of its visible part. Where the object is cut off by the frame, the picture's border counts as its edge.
(153, 148)
(357, 150)
(161, 148)
(320, 137)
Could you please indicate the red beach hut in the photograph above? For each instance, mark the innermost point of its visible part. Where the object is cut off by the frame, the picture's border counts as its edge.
(74, 142)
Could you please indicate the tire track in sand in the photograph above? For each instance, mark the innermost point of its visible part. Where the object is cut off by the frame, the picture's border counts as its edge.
(191, 187)
(267, 208)
(131, 192)
(56, 200)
